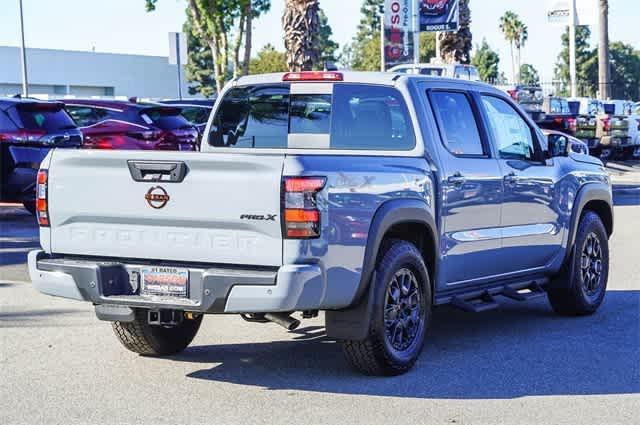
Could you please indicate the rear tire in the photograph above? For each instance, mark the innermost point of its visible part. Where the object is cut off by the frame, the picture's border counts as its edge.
(580, 289)
(401, 315)
(30, 206)
(152, 340)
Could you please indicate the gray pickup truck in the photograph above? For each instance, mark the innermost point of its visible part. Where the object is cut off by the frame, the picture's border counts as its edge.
(372, 197)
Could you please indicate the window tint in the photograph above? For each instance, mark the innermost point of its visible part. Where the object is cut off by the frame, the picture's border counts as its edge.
(355, 117)
(82, 115)
(459, 128)
(252, 117)
(310, 114)
(511, 133)
(196, 115)
(165, 118)
(370, 118)
(48, 117)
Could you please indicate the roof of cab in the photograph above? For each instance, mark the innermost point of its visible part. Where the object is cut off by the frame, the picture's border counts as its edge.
(381, 78)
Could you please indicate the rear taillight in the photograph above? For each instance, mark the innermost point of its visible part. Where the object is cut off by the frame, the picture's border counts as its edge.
(513, 94)
(42, 193)
(570, 123)
(606, 124)
(301, 216)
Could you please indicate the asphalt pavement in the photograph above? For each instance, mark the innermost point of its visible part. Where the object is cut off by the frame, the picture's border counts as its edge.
(520, 364)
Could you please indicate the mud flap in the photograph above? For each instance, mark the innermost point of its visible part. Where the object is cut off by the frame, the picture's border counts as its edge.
(352, 323)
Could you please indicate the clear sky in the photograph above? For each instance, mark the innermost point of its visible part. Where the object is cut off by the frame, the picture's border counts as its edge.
(123, 26)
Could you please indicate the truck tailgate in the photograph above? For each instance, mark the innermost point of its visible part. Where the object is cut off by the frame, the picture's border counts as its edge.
(226, 209)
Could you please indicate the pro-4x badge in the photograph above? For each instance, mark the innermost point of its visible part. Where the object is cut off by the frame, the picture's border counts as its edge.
(267, 217)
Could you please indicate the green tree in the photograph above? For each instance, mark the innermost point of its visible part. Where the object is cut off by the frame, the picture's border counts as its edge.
(268, 60)
(487, 61)
(625, 71)
(586, 64)
(221, 25)
(529, 75)
(327, 46)
(198, 69)
(517, 34)
(364, 50)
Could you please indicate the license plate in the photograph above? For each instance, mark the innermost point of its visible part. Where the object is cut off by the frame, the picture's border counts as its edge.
(165, 281)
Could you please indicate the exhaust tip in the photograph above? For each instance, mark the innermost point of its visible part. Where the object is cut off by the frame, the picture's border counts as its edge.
(284, 320)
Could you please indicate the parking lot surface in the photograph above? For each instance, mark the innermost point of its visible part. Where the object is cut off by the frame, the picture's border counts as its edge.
(520, 364)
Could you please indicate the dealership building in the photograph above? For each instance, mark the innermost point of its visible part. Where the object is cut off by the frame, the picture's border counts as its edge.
(58, 73)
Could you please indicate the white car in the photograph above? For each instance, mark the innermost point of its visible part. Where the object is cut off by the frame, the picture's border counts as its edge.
(460, 71)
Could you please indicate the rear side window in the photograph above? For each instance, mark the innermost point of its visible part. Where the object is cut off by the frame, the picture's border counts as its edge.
(165, 118)
(354, 117)
(458, 126)
(196, 115)
(370, 118)
(42, 117)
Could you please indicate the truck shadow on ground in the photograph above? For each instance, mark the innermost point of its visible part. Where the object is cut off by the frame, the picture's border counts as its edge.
(518, 350)
(624, 196)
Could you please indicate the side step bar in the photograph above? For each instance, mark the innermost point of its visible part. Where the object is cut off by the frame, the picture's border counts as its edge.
(477, 301)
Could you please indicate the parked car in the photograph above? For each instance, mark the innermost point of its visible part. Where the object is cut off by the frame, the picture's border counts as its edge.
(565, 142)
(29, 129)
(460, 71)
(113, 124)
(196, 111)
(434, 7)
(557, 115)
(530, 98)
(480, 205)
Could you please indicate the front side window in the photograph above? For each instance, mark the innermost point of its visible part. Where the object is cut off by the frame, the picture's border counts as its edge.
(458, 126)
(511, 133)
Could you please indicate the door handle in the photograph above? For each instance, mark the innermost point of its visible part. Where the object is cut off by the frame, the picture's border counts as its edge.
(456, 179)
(150, 171)
(511, 178)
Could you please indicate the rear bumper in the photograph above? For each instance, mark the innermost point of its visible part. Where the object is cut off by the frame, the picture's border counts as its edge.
(211, 289)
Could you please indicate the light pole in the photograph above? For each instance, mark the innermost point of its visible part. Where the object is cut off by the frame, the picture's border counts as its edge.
(23, 54)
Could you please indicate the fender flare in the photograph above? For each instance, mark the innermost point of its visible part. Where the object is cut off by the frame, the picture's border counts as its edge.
(352, 323)
(589, 192)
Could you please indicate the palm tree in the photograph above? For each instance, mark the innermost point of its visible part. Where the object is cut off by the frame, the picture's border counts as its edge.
(301, 24)
(456, 46)
(517, 34)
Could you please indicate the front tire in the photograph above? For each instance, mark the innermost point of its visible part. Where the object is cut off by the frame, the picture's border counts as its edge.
(580, 289)
(153, 340)
(401, 314)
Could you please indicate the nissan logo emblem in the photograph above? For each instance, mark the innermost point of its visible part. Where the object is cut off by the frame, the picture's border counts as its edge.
(157, 197)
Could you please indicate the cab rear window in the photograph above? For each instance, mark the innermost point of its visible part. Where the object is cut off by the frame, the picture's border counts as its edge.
(353, 117)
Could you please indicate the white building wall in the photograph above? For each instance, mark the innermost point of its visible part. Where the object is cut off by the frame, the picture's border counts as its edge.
(58, 72)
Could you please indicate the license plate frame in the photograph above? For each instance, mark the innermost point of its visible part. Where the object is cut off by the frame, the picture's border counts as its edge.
(164, 281)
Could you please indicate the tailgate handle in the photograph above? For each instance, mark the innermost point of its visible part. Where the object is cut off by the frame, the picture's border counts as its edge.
(168, 172)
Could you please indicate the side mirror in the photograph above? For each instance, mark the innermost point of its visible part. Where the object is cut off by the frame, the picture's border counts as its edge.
(558, 145)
